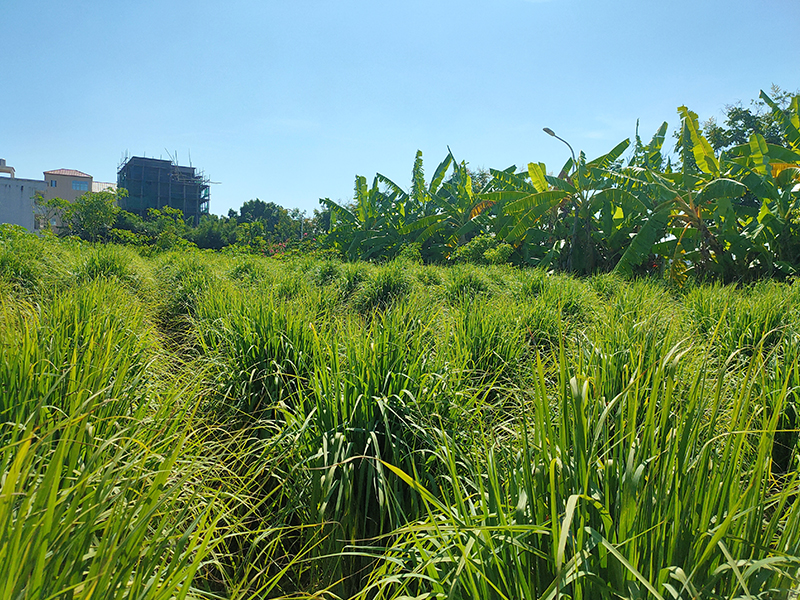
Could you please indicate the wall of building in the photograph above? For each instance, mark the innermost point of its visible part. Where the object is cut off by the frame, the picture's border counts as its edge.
(61, 186)
(103, 186)
(17, 200)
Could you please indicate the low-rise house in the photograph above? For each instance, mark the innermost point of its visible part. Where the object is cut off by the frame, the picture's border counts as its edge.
(67, 184)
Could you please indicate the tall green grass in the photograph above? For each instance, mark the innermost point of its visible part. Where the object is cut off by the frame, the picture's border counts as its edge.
(96, 498)
(33, 265)
(90, 338)
(738, 320)
(651, 493)
(263, 348)
(214, 426)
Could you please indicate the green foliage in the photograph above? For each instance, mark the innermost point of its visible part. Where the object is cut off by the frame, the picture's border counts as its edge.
(92, 455)
(465, 284)
(488, 340)
(181, 279)
(31, 264)
(367, 408)
(544, 521)
(263, 227)
(327, 272)
(353, 276)
(213, 232)
(19, 266)
(727, 212)
(741, 122)
(108, 261)
(412, 253)
(741, 321)
(268, 349)
(194, 424)
(168, 228)
(385, 287)
(729, 217)
(248, 268)
(91, 215)
(498, 255)
(483, 249)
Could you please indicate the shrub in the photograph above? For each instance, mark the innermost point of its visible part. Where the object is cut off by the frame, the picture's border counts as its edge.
(387, 285)
(473, 251)
(411, 253)
(498, 255)
(327, 272)
(465, 283)
(110, 261)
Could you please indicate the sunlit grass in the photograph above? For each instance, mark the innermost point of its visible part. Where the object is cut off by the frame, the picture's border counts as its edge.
(200, 425)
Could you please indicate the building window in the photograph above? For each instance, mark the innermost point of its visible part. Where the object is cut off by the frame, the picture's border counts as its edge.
(80, 186)
(52, 183)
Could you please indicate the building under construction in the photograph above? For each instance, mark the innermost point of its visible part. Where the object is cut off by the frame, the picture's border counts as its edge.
(156, 183)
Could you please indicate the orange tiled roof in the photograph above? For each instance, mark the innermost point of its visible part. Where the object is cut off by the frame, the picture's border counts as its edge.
(67, 172)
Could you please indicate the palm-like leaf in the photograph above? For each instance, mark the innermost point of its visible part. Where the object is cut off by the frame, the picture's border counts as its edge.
(639, 249)
(702, 151)
(790, 123)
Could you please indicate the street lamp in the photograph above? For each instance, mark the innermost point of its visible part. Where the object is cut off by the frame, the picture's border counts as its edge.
(580, 201)
(549, 131)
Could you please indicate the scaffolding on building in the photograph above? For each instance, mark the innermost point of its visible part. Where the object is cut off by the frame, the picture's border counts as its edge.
(156, 183)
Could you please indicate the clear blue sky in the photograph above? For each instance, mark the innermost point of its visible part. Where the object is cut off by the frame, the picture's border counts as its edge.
(288, 100)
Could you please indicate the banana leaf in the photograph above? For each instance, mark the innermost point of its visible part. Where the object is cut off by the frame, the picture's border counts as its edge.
(641, 245)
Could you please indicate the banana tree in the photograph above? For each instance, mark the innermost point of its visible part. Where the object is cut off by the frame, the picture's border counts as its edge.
(417, 210)
(420, 201)
(449, 208)
(696, 223)
(369, 228)
(579, 221)
(772, 176)
(590, 195)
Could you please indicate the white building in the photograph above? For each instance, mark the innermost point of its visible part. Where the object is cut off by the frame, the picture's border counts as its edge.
(17, 197)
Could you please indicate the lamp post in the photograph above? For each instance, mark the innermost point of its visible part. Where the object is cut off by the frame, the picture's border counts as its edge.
(579, 202)
(549, 131)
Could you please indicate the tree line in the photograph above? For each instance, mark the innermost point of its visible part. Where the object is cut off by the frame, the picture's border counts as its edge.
(725, 203)
(258, 226)
(729, 210)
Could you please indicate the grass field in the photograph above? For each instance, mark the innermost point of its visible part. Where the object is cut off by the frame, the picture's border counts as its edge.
(210, 425)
